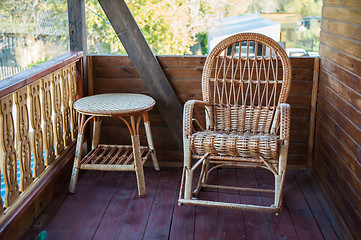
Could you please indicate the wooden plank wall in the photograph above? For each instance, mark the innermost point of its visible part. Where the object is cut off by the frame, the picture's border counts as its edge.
(337, 159)
(117, 74)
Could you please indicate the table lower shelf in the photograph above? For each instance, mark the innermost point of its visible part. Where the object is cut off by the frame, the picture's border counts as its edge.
(113, 158)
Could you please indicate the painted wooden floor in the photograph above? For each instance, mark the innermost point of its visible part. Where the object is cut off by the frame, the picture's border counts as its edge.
(106, 206)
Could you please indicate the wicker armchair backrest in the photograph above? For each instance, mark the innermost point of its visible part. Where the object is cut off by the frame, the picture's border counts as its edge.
(245, 78)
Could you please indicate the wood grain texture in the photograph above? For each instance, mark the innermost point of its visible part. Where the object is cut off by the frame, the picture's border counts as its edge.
(118, 74)
(146, 64)
(24, 78)
(342, 14)
(342, 3)
(343, 44)
(342, 29)
(127, 216)
(337, 159)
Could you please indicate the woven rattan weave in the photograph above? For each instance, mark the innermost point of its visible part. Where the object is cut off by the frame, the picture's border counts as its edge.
(246, 122)
(131, 108)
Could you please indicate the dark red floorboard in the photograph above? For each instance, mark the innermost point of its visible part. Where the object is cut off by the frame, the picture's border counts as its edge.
(135, 220)
(231, 224)
(256, 223)
(106, 206)
(160, 217)
(61, 226)
(280, 226)
(183, 221)
(109, 227)
(302, 217)
(206, 220)
(318, 212)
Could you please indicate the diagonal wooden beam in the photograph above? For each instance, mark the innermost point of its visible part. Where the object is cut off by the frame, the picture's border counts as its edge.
(146, 64)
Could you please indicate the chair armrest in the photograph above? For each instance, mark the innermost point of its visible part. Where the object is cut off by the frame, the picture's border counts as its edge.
(285, 121)
(188, 115)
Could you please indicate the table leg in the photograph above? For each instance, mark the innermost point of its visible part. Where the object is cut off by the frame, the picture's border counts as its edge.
(148, 132)
(76, 165)
(96, 131)
(138, 163)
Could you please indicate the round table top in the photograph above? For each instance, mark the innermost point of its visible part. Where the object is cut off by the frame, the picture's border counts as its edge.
(110, 104)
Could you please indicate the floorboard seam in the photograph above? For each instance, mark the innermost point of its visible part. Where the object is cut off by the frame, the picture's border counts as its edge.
(151, 208)
(309, 206)
(105, 210)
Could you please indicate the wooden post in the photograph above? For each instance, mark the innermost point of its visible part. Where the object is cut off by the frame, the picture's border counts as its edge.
(146, 64)
(77, 33)
(311, 136)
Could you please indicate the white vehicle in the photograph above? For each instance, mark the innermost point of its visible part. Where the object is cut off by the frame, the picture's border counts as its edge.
(296, 52)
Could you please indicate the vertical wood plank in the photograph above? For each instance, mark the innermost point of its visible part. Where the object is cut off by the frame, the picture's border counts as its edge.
(90, 75)
(146, 64)
(77, 26)
(77, 34)
(311, 136)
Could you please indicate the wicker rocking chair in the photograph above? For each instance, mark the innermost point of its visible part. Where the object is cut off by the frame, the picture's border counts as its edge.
(245, 84)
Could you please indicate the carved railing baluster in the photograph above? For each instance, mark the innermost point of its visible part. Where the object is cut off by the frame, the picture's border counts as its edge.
(57, 117)
(65, 110)
(47, 125)
(36, 136)
(37, 130)
(7, 150)
(73, 113)
(22, 137)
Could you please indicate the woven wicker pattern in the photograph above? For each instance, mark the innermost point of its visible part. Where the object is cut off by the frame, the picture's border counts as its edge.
(131, 109)
(114, 104)
(112, 157)
(245, 83)
(235, 144)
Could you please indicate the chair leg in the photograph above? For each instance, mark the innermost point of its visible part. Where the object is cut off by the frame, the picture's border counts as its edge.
(280, 178)
(202, 178)
(188, 172)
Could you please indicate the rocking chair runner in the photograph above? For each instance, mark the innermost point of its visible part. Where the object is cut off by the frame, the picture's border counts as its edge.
(245, 84)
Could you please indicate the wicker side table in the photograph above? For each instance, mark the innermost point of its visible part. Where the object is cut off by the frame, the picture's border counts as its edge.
(131, 108)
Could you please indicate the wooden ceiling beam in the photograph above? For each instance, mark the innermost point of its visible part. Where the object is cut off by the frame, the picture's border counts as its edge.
(146, 64)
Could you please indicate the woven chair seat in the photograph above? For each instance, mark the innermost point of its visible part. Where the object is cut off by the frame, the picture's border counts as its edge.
(246, 145)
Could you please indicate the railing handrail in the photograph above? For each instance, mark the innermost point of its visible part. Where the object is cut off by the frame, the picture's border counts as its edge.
(26, 77)
(38, 129)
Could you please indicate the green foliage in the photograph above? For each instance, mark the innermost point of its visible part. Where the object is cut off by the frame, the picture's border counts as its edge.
(303, 7)
(165, 25)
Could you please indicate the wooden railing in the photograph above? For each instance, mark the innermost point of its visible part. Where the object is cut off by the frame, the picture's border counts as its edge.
(37, 125)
